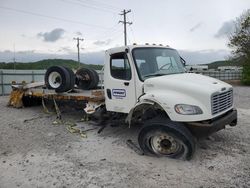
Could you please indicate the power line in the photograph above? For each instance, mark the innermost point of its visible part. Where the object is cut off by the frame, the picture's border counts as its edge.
(133, 35)
(14, 56)
(131, 29)
(52, 17)
(115, 36)
(124, 13)
(112, 35)
(89, 6)
(108, 32)
(98, 3)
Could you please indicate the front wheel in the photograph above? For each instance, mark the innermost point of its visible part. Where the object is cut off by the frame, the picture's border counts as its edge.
(164, 138)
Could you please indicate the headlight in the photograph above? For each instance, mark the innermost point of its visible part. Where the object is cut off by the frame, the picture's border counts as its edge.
(186, 109)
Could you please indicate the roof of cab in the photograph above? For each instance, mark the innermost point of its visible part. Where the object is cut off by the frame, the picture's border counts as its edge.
(131, 47)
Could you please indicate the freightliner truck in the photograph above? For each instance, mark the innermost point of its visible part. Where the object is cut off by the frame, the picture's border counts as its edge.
(146, 86)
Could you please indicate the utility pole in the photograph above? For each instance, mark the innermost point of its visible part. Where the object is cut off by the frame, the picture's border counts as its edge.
(14, 57)
(78, 48)
(124, 12)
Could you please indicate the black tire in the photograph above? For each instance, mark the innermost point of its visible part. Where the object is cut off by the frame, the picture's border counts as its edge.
(164, 138)
(95, 79)
(72, 77)
(86, 78)
(62, 81)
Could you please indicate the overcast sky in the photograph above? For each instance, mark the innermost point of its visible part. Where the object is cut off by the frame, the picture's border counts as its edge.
(45, 28)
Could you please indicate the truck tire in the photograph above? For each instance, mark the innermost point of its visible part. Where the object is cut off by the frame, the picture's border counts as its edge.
(164, 138)
(72, 77)
(86, 78)
(95, 79)
(58, 78)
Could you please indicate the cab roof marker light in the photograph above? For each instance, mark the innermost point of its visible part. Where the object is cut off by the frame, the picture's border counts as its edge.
(146, 43)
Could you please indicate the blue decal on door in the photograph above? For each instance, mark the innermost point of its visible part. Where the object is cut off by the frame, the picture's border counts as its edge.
(119, 93)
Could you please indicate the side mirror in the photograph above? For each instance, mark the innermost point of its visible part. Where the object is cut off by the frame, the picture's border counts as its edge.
(183, 61)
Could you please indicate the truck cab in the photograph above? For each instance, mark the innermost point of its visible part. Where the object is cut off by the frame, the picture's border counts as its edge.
(149, 83)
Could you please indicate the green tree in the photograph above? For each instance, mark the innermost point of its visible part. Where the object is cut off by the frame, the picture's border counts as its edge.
(239, 41)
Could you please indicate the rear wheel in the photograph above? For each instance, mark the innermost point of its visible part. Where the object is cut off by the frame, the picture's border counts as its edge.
(96, 77)
(86, 78)
(58, 78)
(164, 138)
(72, 77)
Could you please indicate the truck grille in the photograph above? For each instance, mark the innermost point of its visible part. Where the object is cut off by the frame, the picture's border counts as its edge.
(222, 101)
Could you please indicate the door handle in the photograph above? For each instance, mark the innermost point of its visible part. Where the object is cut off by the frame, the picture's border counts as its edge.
(109, 93)
(126, 83)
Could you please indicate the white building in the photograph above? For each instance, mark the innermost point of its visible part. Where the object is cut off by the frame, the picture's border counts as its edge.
(196, 67)
(229, 68)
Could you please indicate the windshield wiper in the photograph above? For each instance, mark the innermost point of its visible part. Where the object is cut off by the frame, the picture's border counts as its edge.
(157, 74)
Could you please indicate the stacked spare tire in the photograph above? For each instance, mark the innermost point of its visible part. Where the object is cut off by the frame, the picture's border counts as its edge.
(63, 79)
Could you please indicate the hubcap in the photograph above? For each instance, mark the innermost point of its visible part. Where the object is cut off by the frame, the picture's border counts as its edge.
(55, 79)
(164, 144)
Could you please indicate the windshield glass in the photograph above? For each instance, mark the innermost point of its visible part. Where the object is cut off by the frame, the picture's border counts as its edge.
(152, 62)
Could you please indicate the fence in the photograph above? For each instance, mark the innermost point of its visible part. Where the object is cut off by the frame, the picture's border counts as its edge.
(7, 76)
(222, 75)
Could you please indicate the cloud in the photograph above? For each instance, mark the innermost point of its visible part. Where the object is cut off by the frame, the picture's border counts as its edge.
(78, 33)
(204, 56)
(226, 28)
(66, 49)
(8, 51)
(102, 42)
(7, 55)
(52, 36)
(197, 26)
(26, 52)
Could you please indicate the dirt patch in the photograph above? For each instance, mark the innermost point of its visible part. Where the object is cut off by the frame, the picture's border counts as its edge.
(37, 153)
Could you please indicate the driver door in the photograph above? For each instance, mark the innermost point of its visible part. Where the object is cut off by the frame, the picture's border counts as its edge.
(119, 84)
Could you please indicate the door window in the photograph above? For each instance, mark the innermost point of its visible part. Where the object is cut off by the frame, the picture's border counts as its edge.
(120, 68)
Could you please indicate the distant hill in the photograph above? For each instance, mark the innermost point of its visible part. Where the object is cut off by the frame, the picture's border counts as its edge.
(44, 64)
(216, 64)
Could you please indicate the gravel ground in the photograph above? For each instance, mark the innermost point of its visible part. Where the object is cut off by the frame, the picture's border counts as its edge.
(37, 153)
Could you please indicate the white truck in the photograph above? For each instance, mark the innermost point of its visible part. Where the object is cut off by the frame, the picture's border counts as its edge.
(148, 86)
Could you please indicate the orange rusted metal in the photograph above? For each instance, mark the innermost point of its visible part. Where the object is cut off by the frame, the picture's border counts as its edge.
(16, 98)
(36, 90)
(67, 97)
(97, 93)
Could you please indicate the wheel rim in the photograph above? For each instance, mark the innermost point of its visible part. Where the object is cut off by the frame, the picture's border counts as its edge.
(55, 80)
(164, 144)
(84, 79)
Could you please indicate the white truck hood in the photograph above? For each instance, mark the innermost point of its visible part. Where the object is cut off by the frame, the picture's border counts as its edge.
(185, 88)
(187, 83)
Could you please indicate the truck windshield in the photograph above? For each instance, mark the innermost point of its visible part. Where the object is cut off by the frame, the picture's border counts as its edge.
(151, 62)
